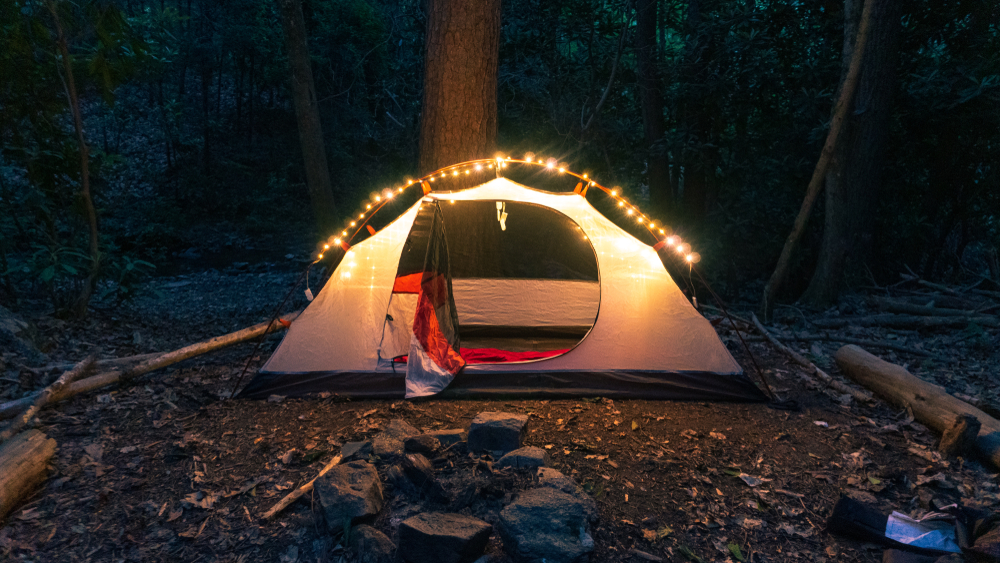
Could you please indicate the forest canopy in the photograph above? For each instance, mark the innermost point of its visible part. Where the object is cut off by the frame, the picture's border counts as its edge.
(128, 127)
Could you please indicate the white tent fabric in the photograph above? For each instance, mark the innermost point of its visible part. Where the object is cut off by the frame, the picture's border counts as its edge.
(644, 322)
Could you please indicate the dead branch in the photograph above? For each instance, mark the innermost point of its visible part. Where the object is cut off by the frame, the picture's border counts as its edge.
(297, 493)
(898, 306)
(44, 397)
(112, 363)
(811, 368)
(11, 408)
(859, 342)
(930, 404)
(889, 320)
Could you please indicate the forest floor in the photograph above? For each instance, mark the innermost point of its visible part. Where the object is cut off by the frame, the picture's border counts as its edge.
(167, 469)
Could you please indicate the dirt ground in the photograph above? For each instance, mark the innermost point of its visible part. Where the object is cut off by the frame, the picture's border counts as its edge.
(169, 470)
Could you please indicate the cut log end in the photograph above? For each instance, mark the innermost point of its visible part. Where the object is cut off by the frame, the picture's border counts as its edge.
(24, 463)
(960, 437)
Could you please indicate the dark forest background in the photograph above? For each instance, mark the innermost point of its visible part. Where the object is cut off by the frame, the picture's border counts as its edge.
(187, 114)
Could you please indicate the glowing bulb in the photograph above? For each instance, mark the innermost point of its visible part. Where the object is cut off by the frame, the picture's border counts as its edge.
(551, 163)
(673, 240)
(688, 258)
(361, 216)
(353, 223)
(621, 204)
(490, 166)
(343, 234)
(479, 167)
(468, 171)
(630, 211)
(336, 241)
(408, 182)
(614, 192)
(584, 176)
(320, 256)
(388, 195)
(326, 246)
(640, 220)
(652, 224)
(529, 156)
(455, 173)
(684, 248)
(369, 206)
(561, 170)
(661, 232)
(433, 178)
(694, 258)
(401, 189)
(442, 174)
(378, 198)
(453, 201)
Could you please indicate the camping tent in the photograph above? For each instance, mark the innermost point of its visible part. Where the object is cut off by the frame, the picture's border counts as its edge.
(540, 293)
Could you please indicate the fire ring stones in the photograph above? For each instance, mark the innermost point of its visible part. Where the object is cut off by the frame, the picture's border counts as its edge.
(497, 432)
(548, 525)
(524, 458)
(351, 491)
(442, 537)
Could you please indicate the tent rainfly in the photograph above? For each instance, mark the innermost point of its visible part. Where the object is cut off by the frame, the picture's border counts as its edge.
(499, 291)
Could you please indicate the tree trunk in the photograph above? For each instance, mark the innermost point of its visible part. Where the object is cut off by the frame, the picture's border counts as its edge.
(307, 116)
(854, 177)
(23, 465)
(459, 112)
(816, 182)
(80, 307)
(651, 103)
(930, 404)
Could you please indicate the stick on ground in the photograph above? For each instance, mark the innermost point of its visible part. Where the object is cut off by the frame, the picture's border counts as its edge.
(811, 368)
(11, 408)
(297, 493)
(44, 397)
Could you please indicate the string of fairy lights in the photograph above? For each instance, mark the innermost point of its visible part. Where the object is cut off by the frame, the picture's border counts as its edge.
(664, 235)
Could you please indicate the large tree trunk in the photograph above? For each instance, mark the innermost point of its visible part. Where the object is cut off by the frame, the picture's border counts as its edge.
(847, 88)
(459, 113)
(307, 115)
(658, 167)
(854, 177)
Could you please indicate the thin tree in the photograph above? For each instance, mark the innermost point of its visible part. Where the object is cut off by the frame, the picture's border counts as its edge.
(855, 173)
(651, 103)
(849, 84)
(459, 114)
(307, 116)
(69, 84)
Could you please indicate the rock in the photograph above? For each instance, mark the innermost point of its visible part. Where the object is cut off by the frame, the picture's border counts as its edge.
(497, 432)
(443, 537)
(389, 442)
(371, 545)
(420, 472)
(524, 458)
(548, 525)
(351, 491)
(449, 436)
(356, 450)
(422, 443)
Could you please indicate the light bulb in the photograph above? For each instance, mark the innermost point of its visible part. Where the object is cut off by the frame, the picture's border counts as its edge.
(336, 241)
(377, 198)
(684, 248)
(551, 163)
(584, 176)
(529, 157)
(621, 204)
(326, 246)
(455, 173)
(468, 171)
(408, 182)
(673, 240)
(640, 220)
(343, 234)
(694, 258)
(614, 192)
(401, 189)
(353, 223)
(321, 256)
(629, 211)
(369, 206)
(479, 167)
(361, 216)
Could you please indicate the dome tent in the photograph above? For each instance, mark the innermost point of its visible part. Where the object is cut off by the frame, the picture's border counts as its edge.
(561, 301)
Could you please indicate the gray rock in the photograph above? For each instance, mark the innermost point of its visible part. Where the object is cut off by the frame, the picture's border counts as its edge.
(351, 491)
(497, 432)
(548, 525)
(422, 443)
(420, 472)
(449, 436)
(524, 458)
(550, 478)
(443, 537)
(356, 450)
(371, 545)
(389, 442)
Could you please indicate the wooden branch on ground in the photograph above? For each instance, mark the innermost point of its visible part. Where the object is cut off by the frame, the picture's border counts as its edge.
(11, 408)
(898, 306)
(930, 404)
(859, 342)
(297, 493)
(44, 397)
(889, 320)
(23, 465)
(112, 363)
(811, 368)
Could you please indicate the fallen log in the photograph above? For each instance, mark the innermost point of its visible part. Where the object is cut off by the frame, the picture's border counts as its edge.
(44, 397)
(905, 307)
(811, 368)
(889, 320)
(859, 342)
(930, 404)
(11, 408)
(24, 462)
(297, 493)
(109, 363)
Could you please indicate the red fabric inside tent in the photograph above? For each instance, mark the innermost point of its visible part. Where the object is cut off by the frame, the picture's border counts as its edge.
(498, 356)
